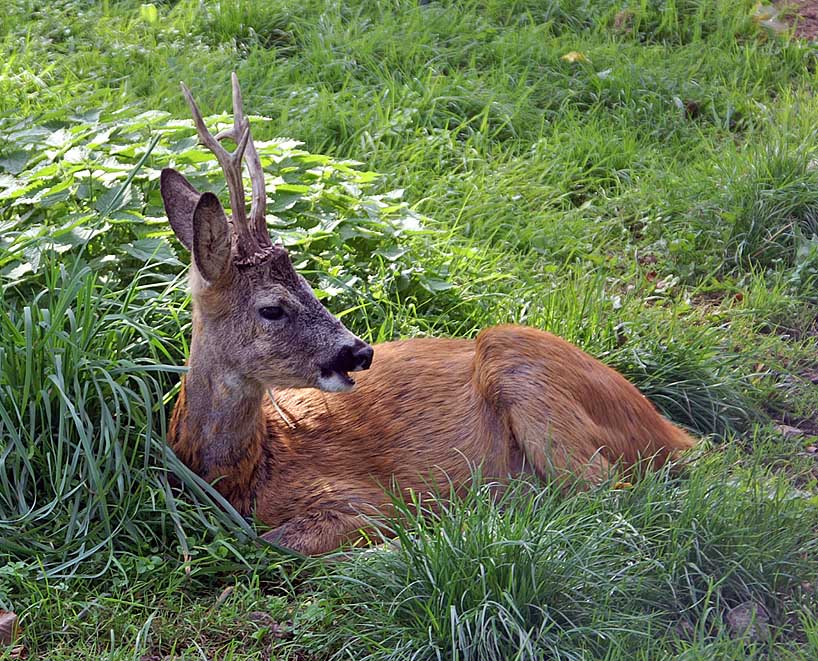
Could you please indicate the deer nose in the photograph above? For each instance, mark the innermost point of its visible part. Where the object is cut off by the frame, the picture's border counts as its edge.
(363, 353)
(353, 358)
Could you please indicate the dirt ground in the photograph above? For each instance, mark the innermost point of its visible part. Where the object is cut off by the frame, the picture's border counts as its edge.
(803, 14)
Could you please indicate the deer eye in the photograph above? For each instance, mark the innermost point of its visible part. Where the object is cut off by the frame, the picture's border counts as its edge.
(272, 312)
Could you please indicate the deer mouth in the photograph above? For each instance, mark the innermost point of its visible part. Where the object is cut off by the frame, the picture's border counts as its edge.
(349, 358)
(333, 380)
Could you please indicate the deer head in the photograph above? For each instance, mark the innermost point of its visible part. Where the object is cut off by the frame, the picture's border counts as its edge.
(255, 318)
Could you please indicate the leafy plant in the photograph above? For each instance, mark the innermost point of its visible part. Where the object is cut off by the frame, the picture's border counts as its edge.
(773, 201)
(94, 323)
(88, 185)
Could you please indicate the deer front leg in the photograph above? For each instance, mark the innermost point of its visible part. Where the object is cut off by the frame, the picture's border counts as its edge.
(314, 533)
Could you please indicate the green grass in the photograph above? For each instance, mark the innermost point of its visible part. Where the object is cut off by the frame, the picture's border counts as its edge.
(654, 203)
(608, 573)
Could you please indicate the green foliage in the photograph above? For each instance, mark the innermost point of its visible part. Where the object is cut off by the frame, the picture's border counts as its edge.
(530, 574)
(775, 201)
(653, 201)
(248, 24)
(90, 187)
(690, 376)
(85, 369)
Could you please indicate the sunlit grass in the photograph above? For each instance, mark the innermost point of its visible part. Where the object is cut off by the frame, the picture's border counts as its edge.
(531, 574)
(653, 202)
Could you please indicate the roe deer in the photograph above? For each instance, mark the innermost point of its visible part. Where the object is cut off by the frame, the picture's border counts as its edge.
(313, 465)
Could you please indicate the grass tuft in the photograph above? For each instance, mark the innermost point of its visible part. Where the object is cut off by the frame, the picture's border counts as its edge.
(530, 574)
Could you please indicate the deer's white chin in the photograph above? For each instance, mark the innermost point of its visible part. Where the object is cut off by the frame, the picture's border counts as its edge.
(335, 382)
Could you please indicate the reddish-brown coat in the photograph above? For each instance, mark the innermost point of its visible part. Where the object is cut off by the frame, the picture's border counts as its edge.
(314, 465)
(427, 412)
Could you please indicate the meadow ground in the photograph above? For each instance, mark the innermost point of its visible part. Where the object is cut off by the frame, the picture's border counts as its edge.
(638, 177)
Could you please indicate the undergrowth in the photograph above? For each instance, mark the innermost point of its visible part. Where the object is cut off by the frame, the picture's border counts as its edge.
(637, 178)
(529, 574)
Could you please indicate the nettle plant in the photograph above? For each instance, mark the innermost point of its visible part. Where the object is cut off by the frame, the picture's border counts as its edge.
(92, 312)
(89, 188)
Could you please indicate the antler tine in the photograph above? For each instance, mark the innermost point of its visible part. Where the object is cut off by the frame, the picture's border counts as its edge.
(258, 205)
(231, 165)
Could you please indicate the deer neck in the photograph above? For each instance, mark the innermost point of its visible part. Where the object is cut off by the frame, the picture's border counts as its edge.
(218, 427)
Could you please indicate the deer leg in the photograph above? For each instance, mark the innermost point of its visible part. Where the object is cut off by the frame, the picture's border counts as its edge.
(531, 393)
(557, 453)
(319, 532)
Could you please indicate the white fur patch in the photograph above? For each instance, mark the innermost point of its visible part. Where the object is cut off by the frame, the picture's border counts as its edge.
(334, 383)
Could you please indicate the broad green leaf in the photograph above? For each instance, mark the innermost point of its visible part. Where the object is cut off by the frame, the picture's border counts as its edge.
(283, 201)
(435, 285)
(59, 138)
(153, 249)
(14, 162)
(114, 199)
(393, 253)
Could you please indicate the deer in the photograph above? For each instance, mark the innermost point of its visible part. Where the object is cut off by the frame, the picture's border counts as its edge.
(269, 413)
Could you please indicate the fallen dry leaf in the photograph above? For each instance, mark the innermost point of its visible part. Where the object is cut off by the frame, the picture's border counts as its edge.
(788, 431)
(282, 632)
(277, 629)
(767, 16)
(223, 596)
(692, 108)
(574, 56)
(749, 620)
(9, 627)
(260, 618)
(685, 630)
(763, 12)
(18, 653)
(623, 21)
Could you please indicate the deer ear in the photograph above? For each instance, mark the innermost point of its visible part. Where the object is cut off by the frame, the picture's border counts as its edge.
(180, 200)
(211, 238)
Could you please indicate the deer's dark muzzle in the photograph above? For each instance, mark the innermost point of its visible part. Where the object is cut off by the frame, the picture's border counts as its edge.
(352, 358)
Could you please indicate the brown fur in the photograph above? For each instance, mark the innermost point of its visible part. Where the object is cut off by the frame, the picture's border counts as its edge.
(316, 464)
(429, 410)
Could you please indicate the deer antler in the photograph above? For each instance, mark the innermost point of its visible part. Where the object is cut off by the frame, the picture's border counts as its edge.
(258, 205)
(253, 239)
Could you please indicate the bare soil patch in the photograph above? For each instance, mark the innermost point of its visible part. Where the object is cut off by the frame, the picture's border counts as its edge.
(803, 14)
